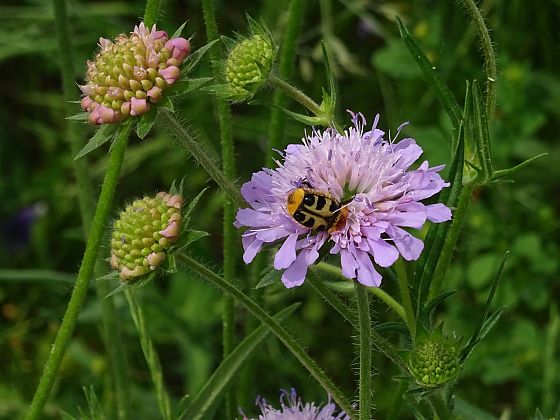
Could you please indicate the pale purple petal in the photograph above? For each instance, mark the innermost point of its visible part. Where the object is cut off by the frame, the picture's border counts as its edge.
(252, 246)
(287, 253)
(438, 213)
(384, 254)
(409, 246)
(366, 272)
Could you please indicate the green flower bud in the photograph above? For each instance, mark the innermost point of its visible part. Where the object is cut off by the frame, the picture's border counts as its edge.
(435, 361)
(143, 234)
(248, 65)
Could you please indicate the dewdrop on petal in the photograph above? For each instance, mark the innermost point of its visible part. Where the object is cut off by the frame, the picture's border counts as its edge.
(248, 65)
(131, 73)
(143, 234)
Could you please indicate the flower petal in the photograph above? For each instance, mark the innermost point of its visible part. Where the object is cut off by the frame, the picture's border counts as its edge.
(438, 213)
(286, 255)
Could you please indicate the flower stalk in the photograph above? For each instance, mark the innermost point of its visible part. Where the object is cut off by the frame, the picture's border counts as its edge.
(104, 205)
(364, 319)
(405, 296)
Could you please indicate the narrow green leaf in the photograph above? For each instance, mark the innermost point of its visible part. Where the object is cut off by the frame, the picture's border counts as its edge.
(482, 137)
(145, 123)
(101, 136)
(271, 277)
(179, 30)
(82, 116)
(192, 60)
(214, 387)
(431, 306)
(507, 172)
(183, 87)
(445, 96)
(111, 275)
(438, 232)
(476, 336)
(192, 204)
(329, 73)
(193, 236)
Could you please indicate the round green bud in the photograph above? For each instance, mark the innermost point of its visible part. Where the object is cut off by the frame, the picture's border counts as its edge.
(143, 234)
(434, 361)
(248, 65)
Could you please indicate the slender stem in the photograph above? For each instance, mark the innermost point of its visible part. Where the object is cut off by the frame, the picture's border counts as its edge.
(116, 157)
(440, 409)
(405, 296)
(285, 69)
(376, 291)
(333, 300)
(228, 165)
(450, 241)
(150, 354)
(489, 57)
(279, 331)
(186, 139)
(296, 94)
(364, 318)
(151, 12)
(74, 134)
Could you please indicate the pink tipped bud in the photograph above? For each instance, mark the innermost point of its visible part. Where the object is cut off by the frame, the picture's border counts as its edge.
(175, 201)
(114, 261)
(179, 48)
(155, 259)
(108, 115)
(138, 106)
(171, 231)
(154, 93)
(95, 116)
(86, 103)
(170, 74)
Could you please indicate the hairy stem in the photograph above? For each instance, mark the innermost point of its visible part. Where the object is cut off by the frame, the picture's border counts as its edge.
(279, 331)
(228, 165)
(104, 205)
(74, 134)
(150, 354)
(489, 57)
(405, 296)
(285, 71)
(296, 94)
(364, 319)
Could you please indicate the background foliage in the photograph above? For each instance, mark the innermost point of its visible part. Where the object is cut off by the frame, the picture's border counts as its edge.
(511, 374)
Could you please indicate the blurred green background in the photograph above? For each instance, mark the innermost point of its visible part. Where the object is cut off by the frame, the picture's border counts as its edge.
(513, 372)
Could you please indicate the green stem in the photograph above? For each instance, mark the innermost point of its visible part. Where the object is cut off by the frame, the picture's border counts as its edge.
(151, 12)
(489, 57)
(296, 94)
(279, 331)
(333, 300)
(150, 354)
(228, 165)
(285, 69)
(104, 205)
(450, 241)
(364, 318)
(74, 134)
(186, 139)
(376, 291)
(405, 296)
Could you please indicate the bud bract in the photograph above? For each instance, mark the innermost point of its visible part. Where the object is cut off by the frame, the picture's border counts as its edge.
(143, 234)
(130, 73)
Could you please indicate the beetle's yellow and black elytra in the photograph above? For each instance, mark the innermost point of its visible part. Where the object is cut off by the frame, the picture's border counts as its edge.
(315, 209)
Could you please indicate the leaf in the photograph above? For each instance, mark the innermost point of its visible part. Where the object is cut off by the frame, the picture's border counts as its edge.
(445, 96)
(112, 275)
(466, 410)
(507, 172)
(329, 74)
(191, 236)
(192, 60)
(431, 306)
(212, 390)
(480, 129)
(192, 204)
(437, 232)
(228, 42)
(101, 136)
(182, 87)
(82, 116)
(483, 326)
(145, 123)
(167, 104)
(179, 31)
(273, 276)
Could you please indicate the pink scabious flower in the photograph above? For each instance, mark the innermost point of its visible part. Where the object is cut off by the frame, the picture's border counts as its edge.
(130, 73)
(375, 194)
(292, 408)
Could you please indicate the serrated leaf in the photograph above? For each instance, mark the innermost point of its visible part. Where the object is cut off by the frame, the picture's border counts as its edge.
(192, 60)
(145, 123)
(82, 116)
(269, 278)
(101, 136)
(179, 30)
(445, 96)
(211, 392)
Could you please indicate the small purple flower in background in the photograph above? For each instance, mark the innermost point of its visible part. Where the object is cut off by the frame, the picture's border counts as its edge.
(292, 408)
(355, 189)
(131, 73)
